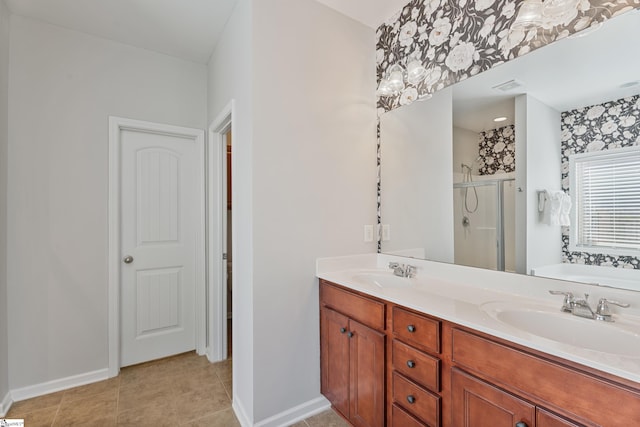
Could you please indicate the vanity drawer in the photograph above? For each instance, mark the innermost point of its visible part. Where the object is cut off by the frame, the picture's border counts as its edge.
(420, 331)
(559, 387)
(416, 400)
(362, 309)
(418, 366)
(401, 418)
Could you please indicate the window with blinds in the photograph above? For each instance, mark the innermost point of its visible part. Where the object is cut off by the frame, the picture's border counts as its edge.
(605, 192)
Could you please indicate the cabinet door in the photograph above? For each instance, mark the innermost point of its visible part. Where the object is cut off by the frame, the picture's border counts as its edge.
(479, 404)
(367, 350)
(547, 419)
(334, 328)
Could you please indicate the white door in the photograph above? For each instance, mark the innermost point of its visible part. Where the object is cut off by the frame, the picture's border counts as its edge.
(160, 218)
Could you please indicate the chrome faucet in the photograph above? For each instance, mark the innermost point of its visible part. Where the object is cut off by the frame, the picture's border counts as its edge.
(403, 270)
(581, 307)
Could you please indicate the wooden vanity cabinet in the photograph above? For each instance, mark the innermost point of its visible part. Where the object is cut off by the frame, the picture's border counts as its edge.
(538, 389)
(352, 355)
(479, 404)
(386, 365)
(415, 368)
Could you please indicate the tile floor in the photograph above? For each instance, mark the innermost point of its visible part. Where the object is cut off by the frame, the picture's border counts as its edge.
(184, 390)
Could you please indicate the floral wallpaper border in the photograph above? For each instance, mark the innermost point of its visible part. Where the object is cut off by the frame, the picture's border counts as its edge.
(457, 39)
(614, 124)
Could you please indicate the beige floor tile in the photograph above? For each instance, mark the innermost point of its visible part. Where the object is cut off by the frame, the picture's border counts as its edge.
(224, 370)
(39, 418)
(224, 418)
(139, 395)
(156, 415)
(96, 410)
(30, 405)
(327, 419)
(183, 390)
(200, 403)
(229, 389)
(91, 389)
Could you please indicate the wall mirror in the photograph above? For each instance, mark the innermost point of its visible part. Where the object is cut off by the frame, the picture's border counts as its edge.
(459, 187)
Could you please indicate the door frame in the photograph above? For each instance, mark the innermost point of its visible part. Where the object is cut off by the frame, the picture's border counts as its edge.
(216, 233)
(116, 125)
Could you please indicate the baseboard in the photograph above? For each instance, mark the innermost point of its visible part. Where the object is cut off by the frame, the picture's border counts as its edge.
(59, 384)
(5, 405)
(241, 414)
(297, 413)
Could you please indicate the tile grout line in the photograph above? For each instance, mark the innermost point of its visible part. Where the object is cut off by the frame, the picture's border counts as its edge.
(117, 401)
(53, 421)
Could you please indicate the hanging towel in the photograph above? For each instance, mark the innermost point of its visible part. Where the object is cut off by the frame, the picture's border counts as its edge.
(554, 207)
(565, 211)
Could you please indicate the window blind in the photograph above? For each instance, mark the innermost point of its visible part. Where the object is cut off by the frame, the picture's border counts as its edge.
(606, 190)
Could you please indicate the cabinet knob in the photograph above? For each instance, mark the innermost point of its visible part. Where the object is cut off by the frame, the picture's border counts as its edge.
(521, 424)
(343, 330)
(412, 399)
(411, 328)
(350, 334)
(411, 363)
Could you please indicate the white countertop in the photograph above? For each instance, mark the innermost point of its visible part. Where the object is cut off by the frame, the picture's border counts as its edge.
(462, 294)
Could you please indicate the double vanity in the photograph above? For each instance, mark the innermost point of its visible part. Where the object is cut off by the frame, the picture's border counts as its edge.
(457, 346)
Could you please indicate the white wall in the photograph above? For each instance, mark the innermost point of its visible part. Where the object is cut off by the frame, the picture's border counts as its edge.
(314, 174)
(417, 177)
(63, 87)
(4, 112)
(230, 77)
(465, 149)
(537, 143)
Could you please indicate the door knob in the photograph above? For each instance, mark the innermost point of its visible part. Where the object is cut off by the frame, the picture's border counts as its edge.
(128, 259)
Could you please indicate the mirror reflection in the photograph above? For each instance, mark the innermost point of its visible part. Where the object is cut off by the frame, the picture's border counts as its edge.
(478, 174)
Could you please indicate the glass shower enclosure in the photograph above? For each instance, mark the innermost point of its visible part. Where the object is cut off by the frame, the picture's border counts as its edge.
(484, 223)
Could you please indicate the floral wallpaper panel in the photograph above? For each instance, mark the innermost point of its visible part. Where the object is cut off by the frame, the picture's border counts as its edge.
(607, 126)
(497, 150)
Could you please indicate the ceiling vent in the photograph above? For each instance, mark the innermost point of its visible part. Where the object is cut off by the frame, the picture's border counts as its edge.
(509, 86)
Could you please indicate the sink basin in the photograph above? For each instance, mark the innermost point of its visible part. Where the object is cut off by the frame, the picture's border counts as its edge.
(612, 338)
(383, 280)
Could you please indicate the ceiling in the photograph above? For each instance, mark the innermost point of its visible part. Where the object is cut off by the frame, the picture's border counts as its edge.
(187, 29)
(369, 12)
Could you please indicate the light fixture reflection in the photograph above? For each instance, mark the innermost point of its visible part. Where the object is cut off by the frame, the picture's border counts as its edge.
(529, 15)
(543, 13)
(416, 72)
(395, 79)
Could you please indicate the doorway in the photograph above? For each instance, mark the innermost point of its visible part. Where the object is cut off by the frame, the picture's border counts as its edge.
(156, 244)
(220, 149)
(229, 243)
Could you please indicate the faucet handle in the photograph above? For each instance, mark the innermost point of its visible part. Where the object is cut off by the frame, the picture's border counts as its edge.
(604, 313)
(410, 271)
(569, 300)
(394, 265)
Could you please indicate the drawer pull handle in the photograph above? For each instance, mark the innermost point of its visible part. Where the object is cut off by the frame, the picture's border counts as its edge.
(411, 363)
(521, 424)
(411, 399)
(343, 330)
(411, 328)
